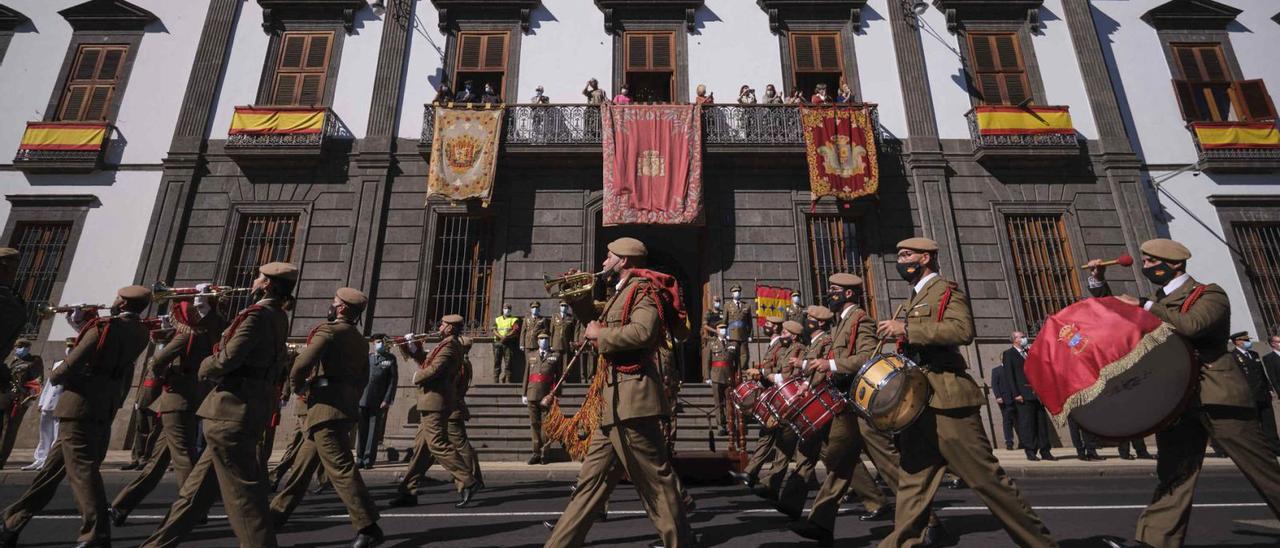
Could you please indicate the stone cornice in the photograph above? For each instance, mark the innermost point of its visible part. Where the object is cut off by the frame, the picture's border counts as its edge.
(783, 12)
(451, 11)
(959, 12)
(97, 15)
(1191, 14)
(276, 11)
(616, 12)
(10, 18)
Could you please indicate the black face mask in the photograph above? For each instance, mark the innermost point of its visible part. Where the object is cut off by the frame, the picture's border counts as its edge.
(786, 341)
(1160, 273)
(258, 294)
(909, 271)
(333, 313)
(115, 310)
(835, 301)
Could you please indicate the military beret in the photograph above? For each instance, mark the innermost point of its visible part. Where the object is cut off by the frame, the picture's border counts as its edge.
(452, 319)
(284, 271)
(377, 336)
(774, 319)
(1240, 335)
(1169, 250)
(8, 254)
(353, 297)
(628, 247)
(721, 324)
(736, 287)
(134, 293)
(535, 304)
(21, 343)
(845, 279)
(821, 313)
(918, 244)
(793, 326)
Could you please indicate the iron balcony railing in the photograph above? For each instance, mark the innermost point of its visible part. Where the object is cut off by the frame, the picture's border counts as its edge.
(68, 145)
(1265, 148)
(1019, 140)
(332, 128)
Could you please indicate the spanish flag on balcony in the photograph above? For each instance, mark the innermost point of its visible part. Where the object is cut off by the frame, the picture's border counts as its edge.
(1215, 135)
(1012, 120)
(64, 136)
(277, 120)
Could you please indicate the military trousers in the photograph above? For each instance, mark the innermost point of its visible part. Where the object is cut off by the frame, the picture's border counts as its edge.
(430, 446)
(879, 447)
(841, 455)
(1180, 456)
(784, 441)
(637, 448)
(535, 427)
(146, 436)
(506, 357)
(228, 467)
(766, 448)
(45, 484)
(83, 447)
(722, 400)
(327, 445)
(10, 423)
(456, 428)
(954, 439)
(795, 490)
(178, 431)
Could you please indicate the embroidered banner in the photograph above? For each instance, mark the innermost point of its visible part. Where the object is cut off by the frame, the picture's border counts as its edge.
(464, 153)
(652, 164)
(771, 301)
(841, 148)
(63, 136)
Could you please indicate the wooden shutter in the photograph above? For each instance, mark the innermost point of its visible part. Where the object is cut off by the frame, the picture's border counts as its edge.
(1186, 94)
(482, 52)
(650, 51)
(999, 73)
(815, 52)
(1252, 100)
(303, 68)
(1201, 62)
(95, 72)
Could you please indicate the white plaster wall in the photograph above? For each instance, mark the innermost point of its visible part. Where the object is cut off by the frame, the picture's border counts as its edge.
(425, 66)
(356, 71)
(243, 70)
(946, 79)
(878, 66)
(733, 47)
(1060, 70)
(106, 257)
(566, 47)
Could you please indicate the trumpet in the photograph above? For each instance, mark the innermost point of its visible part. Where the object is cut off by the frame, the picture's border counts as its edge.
(162, 292)
(418, 338)
(573, 286)
(49, 311)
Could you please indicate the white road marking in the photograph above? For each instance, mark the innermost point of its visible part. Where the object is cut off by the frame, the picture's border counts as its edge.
(641, 512)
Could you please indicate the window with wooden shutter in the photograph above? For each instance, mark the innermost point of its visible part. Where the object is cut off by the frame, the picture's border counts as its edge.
(91, 85)
(481, 59)
(1205, 90)
(1042, 268)
(816, 58)
(998, 70)
(303, 69)
(1253, 99)
(650, 66)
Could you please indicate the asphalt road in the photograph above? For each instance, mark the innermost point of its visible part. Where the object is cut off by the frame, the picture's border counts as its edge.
(1077, 510)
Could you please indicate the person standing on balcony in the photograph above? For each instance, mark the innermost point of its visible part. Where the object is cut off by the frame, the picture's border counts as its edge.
(538, 98)
(820, 96)
(467, 94)
(796, 97)
(844, 94)
(623, 97)
(593, 93)
(490, 96)
(506, 344)
(746, 95)
(444, 94)
(704, 98)
(771, 96)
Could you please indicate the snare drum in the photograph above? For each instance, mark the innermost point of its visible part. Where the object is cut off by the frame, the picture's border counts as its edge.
(745, 395)
(821, 404)
(890, 391)
(788, 397)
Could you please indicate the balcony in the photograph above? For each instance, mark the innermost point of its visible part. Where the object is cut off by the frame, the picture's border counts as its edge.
(1035, 136)
(288, 134)
(62, 147)
(1237, 147)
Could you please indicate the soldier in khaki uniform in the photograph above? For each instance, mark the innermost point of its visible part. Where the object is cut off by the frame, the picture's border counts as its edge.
(531, 326)
(235, 413)
(628, 438)
(457, 424)
(949, 434)
(738, 310)
(24, 376)
(91, 376)
(197, 326)
(13, 310)
(796, 489)
(1222, 410)
(766, 443)
(437, 378)
(543, 369)
(719, 369)
(330, 372)
(779, 370)
(795, 310)
(564, 331)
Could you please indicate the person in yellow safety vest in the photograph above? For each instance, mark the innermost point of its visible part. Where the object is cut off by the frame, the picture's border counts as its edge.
(506, 344)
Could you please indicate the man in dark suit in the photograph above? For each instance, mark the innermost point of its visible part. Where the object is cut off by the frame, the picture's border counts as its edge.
(1271, 364)
(1260, 387)
(1002, 387)
(378, 394)
(1033, 420)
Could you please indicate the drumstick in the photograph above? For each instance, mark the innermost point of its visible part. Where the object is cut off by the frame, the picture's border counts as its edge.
(565, 374)
(880, 345)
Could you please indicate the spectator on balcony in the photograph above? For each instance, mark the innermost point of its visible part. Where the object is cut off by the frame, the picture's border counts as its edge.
(796, 97)
(746, 95)
(820, 96)
(593, 93)
(771, 96)
(623, 97)
(844, 94)
(467, 94)
(704, 98)
(538, 98)
(444, 94)
(489, 96)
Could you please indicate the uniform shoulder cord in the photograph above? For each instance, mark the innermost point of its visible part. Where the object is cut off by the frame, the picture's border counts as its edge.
(1196, 292)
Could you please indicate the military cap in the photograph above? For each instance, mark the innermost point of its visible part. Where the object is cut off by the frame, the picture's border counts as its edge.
(1240, 335)
(8, 254)
(535, 304)
(1164, 248)
(736, 287)
(543, 335)
(628, 247)
(774, 319)
(721, 324)
(820, 313)
(452, 319)
(795, 293)
(564, 302)
(918, 244)
(793, 326)
(21, 343)
(70, 342)
(134, 293)
(284, 271)
(845, 279)
(353, 297)
(377, 336)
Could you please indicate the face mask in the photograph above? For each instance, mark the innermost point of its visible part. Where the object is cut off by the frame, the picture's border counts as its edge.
(258, 294)
(1023, 342)
(544, 344)
(1159, 274)
(23, 352)
(203, 308)
(533, 311)
(786, 341)
(115, 310)
(835, 301)
(333, 313)
(378, 346)
(736, 295)
(506, 312)
(716, 305)
(795, 300)
(909, 271)
(724, 333)
(1248, 345)
(564, 311)
(812, 328)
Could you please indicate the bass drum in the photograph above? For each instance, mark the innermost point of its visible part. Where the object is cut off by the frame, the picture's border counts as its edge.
(1145, 398)
(891, 392)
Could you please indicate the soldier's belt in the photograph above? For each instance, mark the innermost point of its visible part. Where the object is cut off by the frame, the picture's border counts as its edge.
(538, 377)
(721, 364)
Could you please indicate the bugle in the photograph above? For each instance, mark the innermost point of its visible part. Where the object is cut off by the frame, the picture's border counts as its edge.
(49, 311)
(572, 286)
(162, 292)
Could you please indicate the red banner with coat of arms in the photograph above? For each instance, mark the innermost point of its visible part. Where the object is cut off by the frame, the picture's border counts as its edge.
(652, 164)
(841, 148)
(464, 153)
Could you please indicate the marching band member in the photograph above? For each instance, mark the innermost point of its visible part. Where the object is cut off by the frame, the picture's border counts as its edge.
(766, 443)
(23, 375)
(770, 484)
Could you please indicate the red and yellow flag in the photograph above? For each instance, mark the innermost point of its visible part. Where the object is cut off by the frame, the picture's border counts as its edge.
(1214, 135)
(771, 301)
(64, 136)
(275, 120)
(1012, 120)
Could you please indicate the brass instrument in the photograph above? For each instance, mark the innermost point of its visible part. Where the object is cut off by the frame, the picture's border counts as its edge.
(162, 292)
(572, 286)
(416, 339)
(49, 311)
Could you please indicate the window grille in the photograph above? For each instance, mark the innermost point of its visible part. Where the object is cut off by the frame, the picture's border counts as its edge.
(260, 239)
(41, 247)
(834, 246)
(1042, 265)
(1260, 246)
(461, 272)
